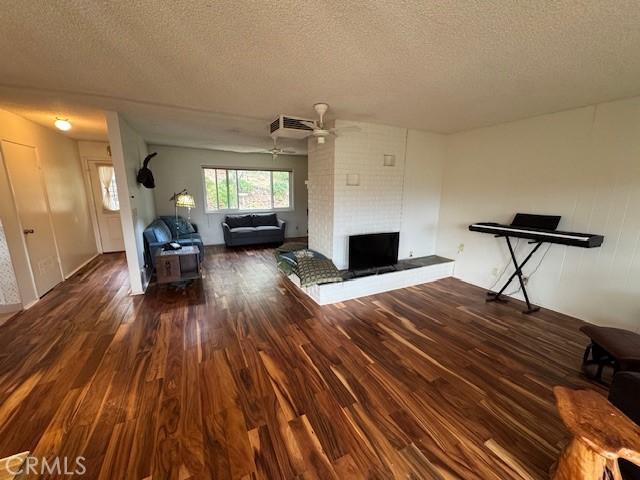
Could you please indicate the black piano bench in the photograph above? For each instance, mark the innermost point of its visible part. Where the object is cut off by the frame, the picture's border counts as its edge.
(614, 347)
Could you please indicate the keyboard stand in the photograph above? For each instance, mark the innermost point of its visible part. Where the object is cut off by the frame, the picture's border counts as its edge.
(496, 296)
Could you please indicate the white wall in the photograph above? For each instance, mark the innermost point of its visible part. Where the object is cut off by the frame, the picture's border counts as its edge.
(583, 164)
(176, 168)
(62, 173)
(137, 206)
(421, 193)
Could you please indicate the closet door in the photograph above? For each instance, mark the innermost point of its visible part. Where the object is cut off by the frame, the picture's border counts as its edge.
(33, 211)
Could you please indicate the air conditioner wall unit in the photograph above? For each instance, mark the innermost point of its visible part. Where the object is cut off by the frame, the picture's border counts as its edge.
(286, 126)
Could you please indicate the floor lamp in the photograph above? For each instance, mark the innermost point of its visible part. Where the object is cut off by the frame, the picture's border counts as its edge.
(185, 200)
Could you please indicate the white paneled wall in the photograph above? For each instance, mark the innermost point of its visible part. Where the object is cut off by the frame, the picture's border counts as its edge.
(583, 164)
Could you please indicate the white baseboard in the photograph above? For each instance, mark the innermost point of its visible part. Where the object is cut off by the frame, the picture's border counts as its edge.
(68, 276)
(10, 308)
(29, 305)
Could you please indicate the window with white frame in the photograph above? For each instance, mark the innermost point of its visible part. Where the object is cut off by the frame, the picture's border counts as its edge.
(244, 190)
(110, 202)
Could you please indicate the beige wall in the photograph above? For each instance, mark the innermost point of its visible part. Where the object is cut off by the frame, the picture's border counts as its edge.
(62, 174)
(175, 168)
(583, 164)
(89, 149)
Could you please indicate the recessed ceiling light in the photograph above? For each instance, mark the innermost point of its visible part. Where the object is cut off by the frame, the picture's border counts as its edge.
(62, 124)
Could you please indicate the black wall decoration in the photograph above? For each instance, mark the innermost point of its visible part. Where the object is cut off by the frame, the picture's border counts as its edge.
(145, 176)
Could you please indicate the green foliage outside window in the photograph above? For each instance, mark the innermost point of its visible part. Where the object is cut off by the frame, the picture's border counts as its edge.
(247, 189)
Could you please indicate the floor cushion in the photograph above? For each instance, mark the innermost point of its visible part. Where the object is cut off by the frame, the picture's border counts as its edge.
(316, 271)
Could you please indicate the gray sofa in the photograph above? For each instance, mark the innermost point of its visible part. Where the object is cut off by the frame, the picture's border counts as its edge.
(253, 229)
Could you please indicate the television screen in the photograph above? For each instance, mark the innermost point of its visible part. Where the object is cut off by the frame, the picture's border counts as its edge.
(373, 250)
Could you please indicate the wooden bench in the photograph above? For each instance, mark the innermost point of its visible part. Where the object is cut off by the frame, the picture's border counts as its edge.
(613, 347)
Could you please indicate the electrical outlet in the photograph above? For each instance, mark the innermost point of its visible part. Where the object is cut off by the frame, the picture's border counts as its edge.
(410, 253)
(525, 280)
(461, 248)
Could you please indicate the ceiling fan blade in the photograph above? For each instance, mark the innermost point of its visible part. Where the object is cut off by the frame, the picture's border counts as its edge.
(289, 151)
(309, 124)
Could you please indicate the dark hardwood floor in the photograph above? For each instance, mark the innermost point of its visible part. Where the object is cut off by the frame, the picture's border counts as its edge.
(241, 376)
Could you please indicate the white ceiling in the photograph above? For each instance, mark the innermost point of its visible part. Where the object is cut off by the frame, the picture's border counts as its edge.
(443, 66)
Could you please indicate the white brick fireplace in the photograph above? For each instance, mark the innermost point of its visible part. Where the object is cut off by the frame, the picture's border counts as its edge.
(354, 189)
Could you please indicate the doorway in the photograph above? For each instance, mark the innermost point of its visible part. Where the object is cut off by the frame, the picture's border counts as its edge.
(33, 214)
(107, 205)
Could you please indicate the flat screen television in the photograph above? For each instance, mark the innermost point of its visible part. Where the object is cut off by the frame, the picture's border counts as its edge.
(373, 250)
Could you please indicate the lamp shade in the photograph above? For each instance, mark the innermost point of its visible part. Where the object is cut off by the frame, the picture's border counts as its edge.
(185, 200)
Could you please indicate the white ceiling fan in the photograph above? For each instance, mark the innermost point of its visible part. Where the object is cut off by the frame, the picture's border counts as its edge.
(319, 130)
(275, 150)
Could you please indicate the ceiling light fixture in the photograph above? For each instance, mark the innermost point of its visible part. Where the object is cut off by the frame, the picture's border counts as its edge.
(62, 124)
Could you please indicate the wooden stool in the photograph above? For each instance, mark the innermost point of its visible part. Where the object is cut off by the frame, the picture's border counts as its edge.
(601, 435)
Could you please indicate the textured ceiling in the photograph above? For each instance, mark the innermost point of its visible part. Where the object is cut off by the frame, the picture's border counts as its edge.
(156, 123)
(443, 66)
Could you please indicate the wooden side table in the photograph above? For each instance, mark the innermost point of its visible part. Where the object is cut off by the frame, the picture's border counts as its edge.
(601, 435)
(178, 266)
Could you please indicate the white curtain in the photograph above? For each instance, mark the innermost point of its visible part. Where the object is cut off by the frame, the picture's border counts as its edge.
(109, 190)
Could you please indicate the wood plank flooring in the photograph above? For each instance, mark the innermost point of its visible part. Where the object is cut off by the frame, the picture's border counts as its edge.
(241, 377)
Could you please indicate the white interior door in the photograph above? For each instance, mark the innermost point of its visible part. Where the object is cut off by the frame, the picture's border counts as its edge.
(107, 205)
(33, 212)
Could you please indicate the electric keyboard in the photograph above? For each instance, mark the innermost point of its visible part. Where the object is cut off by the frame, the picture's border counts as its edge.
(539, 229)
(586, 240)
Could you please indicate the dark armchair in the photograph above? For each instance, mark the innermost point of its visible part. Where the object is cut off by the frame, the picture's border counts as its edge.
(253, 229)
(169, 229)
